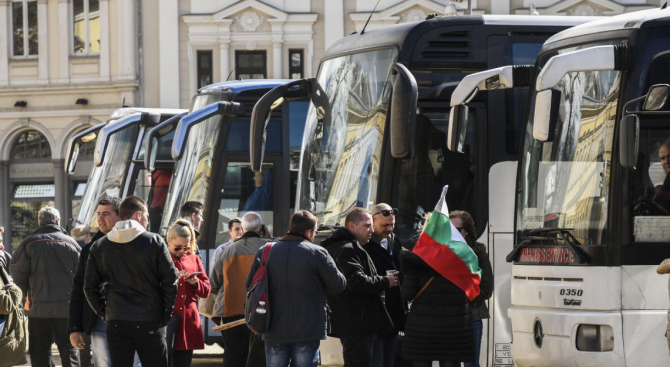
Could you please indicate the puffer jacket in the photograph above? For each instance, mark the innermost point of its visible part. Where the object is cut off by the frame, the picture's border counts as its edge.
(439, 323)
(43, 267)
(140, 277)
(82, 318)
(358, 310)
(478, 305)
(664, 268)
(14, 334)
(300, 276)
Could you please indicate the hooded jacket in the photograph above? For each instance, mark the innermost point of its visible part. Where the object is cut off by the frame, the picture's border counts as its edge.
(137, 272)
(358, 310)
(14, 335)
(82, 318)
(43, 267)
(300, 276)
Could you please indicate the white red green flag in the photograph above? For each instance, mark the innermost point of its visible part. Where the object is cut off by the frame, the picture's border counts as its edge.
(443, 247)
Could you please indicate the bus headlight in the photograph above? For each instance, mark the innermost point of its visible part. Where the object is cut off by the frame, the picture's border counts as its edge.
(595, 338)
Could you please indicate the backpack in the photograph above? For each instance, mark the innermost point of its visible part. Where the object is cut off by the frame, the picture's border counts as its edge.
(257, 303)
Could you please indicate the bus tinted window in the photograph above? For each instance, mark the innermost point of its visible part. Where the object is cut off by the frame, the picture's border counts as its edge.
(238, 136)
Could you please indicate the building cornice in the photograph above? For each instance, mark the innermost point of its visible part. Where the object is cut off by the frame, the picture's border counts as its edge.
(36, 89)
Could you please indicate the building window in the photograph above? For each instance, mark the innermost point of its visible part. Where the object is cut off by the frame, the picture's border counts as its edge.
(250, 65)
(86, 26)
(31, 145)
(27, 200)
(296, 68)
(24, 17)
(205, 75)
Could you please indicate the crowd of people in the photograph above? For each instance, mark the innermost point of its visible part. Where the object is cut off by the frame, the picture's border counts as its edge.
(131, 297)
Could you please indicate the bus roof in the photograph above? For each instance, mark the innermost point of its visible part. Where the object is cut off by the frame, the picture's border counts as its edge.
(397, 35)
(126, 111)
(627, 21)
(238, 86)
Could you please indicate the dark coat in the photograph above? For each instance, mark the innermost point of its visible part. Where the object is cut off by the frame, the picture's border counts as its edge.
(478, 305)
(43, 267)
(141, 279)
(189, 334)
(439, 323)
(358, 310)
(383, 261)
(300, 276)
(82, 318)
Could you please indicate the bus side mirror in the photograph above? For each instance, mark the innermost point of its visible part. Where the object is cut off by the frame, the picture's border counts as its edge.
(656, 98)
(260, 116)
(547, 105)
(184, 125)
(458, 127)
(629, 140)
(403, 112)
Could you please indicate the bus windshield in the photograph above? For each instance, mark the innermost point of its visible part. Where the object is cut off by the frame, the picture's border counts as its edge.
(191, 174)
(107, 179)
(565, 183)
(342, 141)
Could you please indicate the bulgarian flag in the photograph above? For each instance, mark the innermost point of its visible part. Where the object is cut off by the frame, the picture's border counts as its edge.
(443, 248)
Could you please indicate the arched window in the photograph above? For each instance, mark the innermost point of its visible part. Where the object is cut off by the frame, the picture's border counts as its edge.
(31, 145)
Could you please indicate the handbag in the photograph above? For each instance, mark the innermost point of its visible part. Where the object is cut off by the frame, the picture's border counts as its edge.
(206, 306)
(418, 294)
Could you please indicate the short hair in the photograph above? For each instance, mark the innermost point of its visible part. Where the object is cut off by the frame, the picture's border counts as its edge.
(182, 228)
(189, 208)
(301, 222)
(80, 232)
(252, 221)
(355, 216)
(113, 200)
(466, 219)
(130, 205)
(48, 215)
(233, 221)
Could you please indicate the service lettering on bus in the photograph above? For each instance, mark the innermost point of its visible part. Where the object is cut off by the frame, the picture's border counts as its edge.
(546, 255)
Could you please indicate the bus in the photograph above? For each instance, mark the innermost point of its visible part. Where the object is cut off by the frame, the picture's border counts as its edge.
(118, 159)
(590, 215)
(210, 149)
(376, 131)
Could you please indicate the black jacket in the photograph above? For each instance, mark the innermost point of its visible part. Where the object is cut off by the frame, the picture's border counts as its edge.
(358, 310)
(43, 267)
(478, 305)
(300, 275)
(82, 318)
(384, 260)
(137, 272)
(439, 323)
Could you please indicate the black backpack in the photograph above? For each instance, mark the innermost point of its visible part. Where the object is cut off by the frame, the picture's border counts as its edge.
(257, 303)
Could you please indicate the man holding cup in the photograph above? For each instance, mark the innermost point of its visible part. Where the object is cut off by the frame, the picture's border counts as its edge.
(384, 250)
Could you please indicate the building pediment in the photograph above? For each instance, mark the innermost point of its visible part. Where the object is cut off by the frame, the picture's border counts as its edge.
(253, 6)
(585, 8)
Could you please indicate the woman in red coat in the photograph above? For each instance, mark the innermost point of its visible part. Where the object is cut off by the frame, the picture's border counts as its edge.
(192, 283)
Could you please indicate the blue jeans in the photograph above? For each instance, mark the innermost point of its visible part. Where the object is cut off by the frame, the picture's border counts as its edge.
(101, 356)
(477, 327)
(303, 354)
(383, 352)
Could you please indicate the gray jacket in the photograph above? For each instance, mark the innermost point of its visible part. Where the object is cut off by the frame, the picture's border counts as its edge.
(43, 267)
(300, 275)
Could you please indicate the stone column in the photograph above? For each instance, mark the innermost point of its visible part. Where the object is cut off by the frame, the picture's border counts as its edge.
(4, 203)
(60, 188)
(4, 49)
(277, 57)
(104, 40)
(334, 21)
(43, 42)
(168, 49)
(65, 41)
(127, 39)
(224, 55)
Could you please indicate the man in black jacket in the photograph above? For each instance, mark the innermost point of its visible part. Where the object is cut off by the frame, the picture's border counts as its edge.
(43, 267)
(358, 314)
(82, 318)
(140, 283)
(384, 250)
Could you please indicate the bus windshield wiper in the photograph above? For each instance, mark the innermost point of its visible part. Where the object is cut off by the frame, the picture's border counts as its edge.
(545, 234)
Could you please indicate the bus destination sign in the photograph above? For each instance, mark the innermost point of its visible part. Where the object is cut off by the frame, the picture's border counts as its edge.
(546, 255)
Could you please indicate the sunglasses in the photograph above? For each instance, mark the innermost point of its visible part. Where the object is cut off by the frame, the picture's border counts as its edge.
(387, 212)
(460, 228)
(179, 248)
